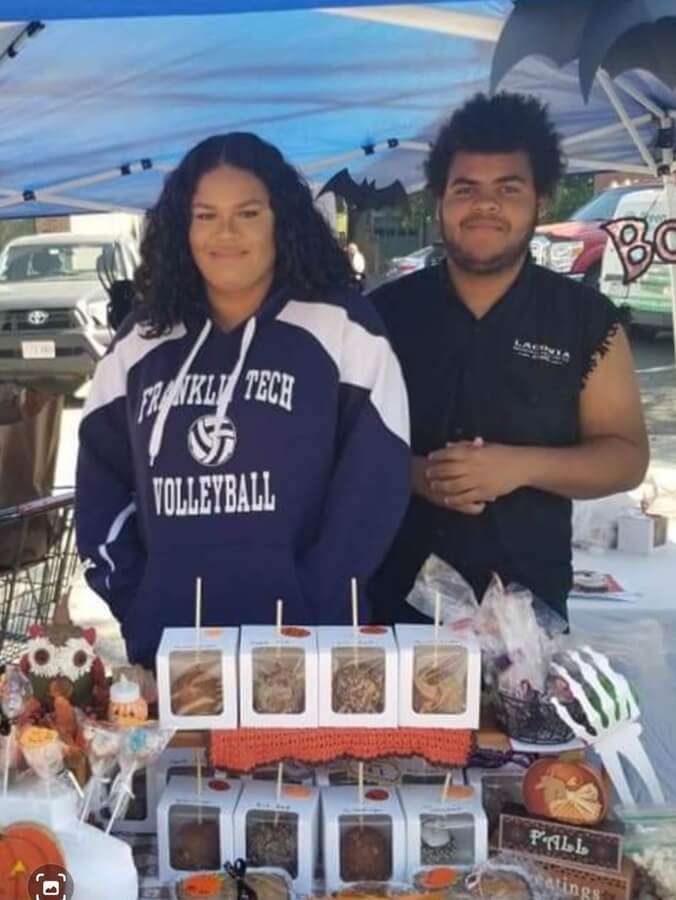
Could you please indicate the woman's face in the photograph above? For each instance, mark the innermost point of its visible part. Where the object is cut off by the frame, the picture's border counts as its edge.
(231, 232)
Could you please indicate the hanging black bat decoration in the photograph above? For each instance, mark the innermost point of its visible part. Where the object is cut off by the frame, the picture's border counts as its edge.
(365, 195)
(616, 35)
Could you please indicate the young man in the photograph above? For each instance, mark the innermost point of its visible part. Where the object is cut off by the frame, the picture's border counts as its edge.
(521, 383)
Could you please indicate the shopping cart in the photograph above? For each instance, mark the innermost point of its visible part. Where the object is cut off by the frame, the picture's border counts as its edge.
(38, 569)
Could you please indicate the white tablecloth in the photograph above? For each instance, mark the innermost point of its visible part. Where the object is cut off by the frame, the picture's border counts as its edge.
(640, 635)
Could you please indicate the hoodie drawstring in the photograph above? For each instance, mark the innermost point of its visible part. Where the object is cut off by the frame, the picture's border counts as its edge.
(224, 401)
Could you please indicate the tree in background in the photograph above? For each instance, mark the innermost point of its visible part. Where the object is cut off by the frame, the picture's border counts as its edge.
(11, 228)
(575, 190)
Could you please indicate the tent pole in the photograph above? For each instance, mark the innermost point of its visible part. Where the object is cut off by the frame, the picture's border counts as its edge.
(669, 182)
(603, 131)
(640, 97)
(599, 165)
(618, 106)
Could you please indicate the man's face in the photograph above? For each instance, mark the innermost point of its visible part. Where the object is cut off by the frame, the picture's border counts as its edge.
(488, 211)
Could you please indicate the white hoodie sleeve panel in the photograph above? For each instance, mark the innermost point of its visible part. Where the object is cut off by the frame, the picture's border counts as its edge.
(106, 523)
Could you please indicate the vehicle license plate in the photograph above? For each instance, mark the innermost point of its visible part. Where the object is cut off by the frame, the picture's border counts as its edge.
(38, 349)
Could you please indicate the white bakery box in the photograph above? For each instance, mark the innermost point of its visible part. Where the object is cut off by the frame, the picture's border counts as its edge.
(279, 832)
(140, 815)
(197, 678)
(445, 826)
(500, 786)
(195, 826)
(364, 838)
(358, 678)
(387, 771)
(439, 677)
(294, 773)
(278, 677)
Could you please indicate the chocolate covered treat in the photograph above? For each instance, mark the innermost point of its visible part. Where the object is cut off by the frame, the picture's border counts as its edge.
(279, 682)
(195, 846)
(273, 844)
(440, 681)
(365, 854)
(358, 687)
(196, 683)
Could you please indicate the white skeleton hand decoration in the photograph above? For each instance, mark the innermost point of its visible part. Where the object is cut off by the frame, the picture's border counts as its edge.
(614, 719)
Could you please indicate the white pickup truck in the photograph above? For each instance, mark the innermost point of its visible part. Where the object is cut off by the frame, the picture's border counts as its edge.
(53, 307)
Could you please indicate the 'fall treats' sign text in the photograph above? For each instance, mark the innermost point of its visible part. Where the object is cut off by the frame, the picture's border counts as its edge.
(598, 847)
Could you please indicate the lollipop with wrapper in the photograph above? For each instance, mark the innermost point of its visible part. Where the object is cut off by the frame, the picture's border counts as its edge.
(103, 742)
(15, 692)
(139, 747)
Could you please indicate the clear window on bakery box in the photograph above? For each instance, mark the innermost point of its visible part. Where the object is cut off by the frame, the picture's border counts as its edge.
(272, 840)
(194, 838)
(500, 790)
(447, 839)
(358, 680)
(196, 682)
(365, 848)
(440, 679)
(278, 675)
(137, 807)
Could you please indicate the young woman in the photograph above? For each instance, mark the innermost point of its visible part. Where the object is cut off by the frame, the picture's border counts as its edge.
(250, 423)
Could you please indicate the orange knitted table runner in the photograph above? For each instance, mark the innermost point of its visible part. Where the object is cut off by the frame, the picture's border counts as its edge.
(245, 749)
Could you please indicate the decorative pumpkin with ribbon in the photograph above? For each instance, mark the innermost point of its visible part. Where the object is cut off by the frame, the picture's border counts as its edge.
(25, 847)
(567, 790)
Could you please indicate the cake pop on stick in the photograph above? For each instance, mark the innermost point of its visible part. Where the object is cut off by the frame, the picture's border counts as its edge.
(140, 746)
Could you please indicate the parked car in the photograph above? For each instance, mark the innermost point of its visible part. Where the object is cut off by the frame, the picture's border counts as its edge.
(53, 307)
(421, 259)
(575, 247)
(648, 299)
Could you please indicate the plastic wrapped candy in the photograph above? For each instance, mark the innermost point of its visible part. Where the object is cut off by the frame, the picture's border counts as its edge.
(102, 742)
(43, 751)
(15, 692)
(509, 876)
(140, 746)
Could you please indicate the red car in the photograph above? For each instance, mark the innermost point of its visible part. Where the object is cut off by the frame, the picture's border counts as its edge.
(575, 247)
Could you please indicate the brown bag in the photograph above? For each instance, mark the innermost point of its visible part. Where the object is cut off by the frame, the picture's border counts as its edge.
(28, 451)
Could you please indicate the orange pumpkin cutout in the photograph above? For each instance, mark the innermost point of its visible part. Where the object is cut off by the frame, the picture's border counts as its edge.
(570, 792)
(25, 847)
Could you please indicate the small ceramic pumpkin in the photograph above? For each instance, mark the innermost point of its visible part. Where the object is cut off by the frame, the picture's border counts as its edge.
(569, 791)
(25, 847)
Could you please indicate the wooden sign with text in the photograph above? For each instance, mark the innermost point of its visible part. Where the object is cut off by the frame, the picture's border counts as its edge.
(587, 884)
(599, 847)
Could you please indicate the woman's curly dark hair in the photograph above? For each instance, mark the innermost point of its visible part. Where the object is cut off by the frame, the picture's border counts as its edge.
(504, 123)
(309, 259)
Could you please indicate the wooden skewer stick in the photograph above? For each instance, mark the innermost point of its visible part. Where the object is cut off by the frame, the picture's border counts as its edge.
(355, 616)
(446, 786)
(280, 619)
(278, 793)
(198, 617)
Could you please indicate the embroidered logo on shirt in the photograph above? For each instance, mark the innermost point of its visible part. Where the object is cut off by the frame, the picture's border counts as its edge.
(541, 352)
(212, 441)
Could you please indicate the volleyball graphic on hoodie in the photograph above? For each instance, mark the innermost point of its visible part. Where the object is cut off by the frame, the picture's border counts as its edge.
(212, 440)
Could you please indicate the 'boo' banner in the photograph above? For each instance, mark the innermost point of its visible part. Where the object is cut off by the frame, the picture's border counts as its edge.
(635, 249)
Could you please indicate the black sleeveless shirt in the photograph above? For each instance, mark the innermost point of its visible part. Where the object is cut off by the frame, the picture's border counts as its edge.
(513, 377)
